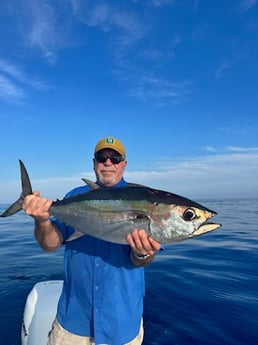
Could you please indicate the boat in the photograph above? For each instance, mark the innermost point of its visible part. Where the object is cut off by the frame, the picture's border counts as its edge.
(40, 311)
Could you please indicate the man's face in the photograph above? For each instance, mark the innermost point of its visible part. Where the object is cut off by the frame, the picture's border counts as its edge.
(109, 173)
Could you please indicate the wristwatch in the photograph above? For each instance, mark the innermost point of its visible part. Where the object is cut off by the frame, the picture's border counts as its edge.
(141, 257)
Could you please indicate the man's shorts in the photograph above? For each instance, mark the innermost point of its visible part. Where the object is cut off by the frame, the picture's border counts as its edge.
(59, 336)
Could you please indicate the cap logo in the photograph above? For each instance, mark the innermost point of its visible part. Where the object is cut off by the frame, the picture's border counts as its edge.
(109, 140)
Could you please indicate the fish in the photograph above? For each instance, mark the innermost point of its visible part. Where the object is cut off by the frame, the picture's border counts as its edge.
(111, 213)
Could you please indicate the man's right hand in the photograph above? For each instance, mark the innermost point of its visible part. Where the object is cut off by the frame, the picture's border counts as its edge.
(37, 207)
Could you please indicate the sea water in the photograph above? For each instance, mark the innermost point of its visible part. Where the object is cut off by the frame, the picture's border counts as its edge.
(202, 291)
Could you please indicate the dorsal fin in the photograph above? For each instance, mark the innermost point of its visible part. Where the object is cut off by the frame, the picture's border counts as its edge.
(94, 185)
(91, 184)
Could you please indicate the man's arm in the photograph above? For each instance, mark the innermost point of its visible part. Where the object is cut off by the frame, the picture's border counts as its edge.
(47, 234)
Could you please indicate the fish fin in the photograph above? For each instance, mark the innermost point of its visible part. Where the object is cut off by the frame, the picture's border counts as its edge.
(91, 184)
(26, 190)
(26, 185)
(14, 208)
(94, 185)
(75, 235)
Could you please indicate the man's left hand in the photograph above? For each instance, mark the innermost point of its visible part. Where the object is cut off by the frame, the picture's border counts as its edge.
(142, 244)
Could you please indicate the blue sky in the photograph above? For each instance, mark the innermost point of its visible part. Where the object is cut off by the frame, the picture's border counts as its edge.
(176, 81)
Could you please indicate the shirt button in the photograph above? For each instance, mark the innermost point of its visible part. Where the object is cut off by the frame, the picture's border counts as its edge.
(96, 287)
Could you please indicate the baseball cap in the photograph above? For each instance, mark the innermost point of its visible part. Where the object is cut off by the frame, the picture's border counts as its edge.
(110, 143)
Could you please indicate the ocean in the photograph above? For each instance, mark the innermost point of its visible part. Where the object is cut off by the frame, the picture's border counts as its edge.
(202, 291)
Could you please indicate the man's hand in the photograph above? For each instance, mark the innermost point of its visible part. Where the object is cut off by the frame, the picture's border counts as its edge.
(47, 235)
(143, 247)
(37, 207)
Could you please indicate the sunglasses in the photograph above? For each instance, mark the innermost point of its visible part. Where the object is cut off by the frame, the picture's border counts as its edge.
(102, 158)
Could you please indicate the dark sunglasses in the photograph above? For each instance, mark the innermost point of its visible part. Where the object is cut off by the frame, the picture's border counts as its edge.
(102, 158)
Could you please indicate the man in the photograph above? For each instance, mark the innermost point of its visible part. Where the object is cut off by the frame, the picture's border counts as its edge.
(102, 297)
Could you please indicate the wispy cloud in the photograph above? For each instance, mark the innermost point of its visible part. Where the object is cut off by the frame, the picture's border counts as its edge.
(43, 28)
(9, 91)
(159, 3)
(246, 5)
(14, 71)
(244, 130)
(196, 5)
(161, 90)
(124, 30)
(39, 26)
(241, 149)
(232, 149)
(221, 69)
(14, 82)
(123, 27)
(108, 17)
(209, 149)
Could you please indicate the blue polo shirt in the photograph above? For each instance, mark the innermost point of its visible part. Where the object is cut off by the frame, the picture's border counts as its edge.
(103, 291)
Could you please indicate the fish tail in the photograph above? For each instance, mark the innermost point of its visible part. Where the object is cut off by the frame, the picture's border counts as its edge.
(26, 190)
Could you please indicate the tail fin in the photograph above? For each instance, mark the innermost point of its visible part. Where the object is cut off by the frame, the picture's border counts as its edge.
(26, 190)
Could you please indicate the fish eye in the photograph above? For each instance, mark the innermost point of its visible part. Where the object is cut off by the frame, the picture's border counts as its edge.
(189, 214)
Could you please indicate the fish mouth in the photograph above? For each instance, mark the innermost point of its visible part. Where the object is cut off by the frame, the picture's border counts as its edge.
(206, 227)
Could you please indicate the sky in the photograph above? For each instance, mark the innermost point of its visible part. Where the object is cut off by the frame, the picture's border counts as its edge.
(175, 80)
